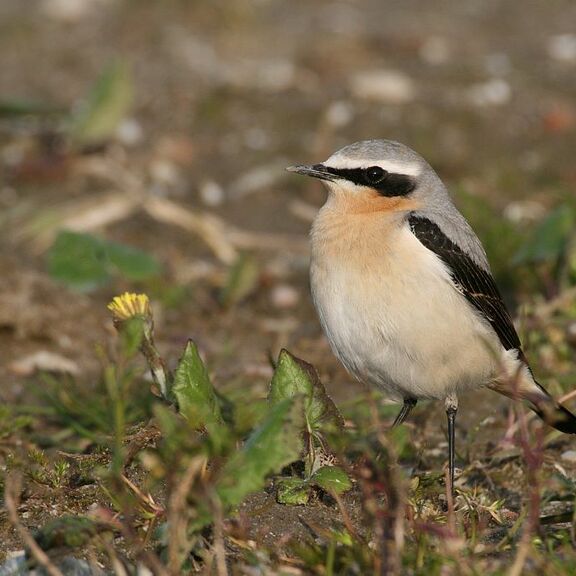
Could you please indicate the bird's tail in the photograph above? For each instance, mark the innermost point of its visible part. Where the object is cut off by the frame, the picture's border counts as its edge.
(524, 387)
(553, 413)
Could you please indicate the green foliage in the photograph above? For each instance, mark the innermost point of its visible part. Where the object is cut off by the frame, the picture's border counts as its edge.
(292, 491)
(297, 403)
(500, 237)
(246, 415)
(273, 445)
(107, 104)
(208, 452)
(67, 532)
(333, 552)
(331, 479)
(547, 252)
(294, 377)
(296, 491)
(549, 241)
(89, 411)
(241, 280)
(84, 262)
(18, 108)
(11, 423)
(195, 396)
(551, 248)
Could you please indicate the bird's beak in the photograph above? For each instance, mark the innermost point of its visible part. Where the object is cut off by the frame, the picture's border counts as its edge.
(317, 171)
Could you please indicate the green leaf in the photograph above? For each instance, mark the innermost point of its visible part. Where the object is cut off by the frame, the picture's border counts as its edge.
(241, 281)
(400, 438)
(292, 491)
(131, 263)
(247, 415)
(331, 479)
(78, 260)
(84, 262)
(107, 104)
(168, 422)
(550, 238)
(294, 376)
(16, 108)
(274, 444)
(196, 397)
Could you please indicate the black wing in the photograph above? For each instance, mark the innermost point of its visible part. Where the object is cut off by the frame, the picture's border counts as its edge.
(476, 284)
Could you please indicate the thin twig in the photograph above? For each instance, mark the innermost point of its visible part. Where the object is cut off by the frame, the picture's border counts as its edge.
(218, 545)
(177, 517)
(131, 194)
(345, 516)
(145, 499)
(567, 397)
(246, 240)
(79, 215)
(210, 228)
(533, 458)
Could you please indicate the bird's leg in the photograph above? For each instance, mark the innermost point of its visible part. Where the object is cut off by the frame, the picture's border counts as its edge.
(451, 404)
(409, 403)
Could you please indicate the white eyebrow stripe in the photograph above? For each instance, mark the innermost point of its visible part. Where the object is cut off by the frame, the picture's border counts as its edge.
(407, 168)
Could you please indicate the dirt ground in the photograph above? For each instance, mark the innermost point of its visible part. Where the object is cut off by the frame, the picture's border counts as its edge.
(226, 95)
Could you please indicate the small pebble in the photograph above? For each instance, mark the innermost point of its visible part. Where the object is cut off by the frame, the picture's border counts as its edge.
(130, 132)
(71, 10)
(569, 456)
(435, 50)
(524, 211)
(211, 193)
(339, 114)
(284, 296)
(164, 173)
(255, 180)
(494, 92)
(562, 48)
(388, 86)
(571, 333)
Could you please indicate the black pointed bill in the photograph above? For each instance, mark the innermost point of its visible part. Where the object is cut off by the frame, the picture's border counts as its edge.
(317, 171)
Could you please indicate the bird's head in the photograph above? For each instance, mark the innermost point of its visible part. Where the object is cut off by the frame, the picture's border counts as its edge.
(383, 174)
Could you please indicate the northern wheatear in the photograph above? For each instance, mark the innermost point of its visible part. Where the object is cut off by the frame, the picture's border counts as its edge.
(404, 290)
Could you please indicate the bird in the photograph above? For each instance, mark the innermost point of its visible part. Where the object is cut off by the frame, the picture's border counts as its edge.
(404, 291)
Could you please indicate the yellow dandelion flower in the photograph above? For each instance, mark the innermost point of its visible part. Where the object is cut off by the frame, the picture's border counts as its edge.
(130, 305)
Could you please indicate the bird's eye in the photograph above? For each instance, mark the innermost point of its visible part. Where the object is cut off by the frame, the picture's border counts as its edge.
(374, 174)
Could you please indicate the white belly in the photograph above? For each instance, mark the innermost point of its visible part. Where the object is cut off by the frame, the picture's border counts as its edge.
(395, 320)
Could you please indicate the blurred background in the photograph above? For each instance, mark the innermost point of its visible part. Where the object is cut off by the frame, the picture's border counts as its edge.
(143, 148)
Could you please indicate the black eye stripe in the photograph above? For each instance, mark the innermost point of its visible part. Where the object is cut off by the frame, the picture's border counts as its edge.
(374, 175)
(391, 185)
